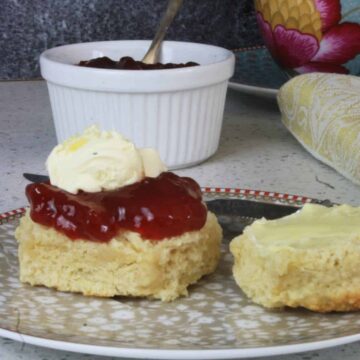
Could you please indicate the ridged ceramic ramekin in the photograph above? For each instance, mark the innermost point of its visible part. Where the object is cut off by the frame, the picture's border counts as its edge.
(177, 111)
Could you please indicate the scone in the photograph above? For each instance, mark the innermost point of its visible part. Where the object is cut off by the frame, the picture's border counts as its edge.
(127, 265)
(309, 259)
(112, 222)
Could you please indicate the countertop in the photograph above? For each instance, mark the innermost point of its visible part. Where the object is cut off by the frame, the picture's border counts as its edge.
(256, 152)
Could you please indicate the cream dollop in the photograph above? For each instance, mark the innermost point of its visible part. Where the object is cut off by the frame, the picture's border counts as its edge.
(100, 160)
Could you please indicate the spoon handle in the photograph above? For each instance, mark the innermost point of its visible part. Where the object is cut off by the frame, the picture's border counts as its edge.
(153, 53)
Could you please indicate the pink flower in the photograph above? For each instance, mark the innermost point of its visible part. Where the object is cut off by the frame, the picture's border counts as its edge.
(308, 37)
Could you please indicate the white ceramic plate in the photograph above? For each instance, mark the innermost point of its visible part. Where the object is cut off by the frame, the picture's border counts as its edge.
(254, 90)
(256, 73)
(215, 322)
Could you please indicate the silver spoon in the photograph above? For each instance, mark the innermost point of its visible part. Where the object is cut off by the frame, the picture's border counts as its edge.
(151, 57)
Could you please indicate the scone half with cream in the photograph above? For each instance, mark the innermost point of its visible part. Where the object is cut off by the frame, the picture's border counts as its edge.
(309, 259)
(112, 221)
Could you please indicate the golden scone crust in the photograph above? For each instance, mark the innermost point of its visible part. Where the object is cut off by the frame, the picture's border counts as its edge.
(321, 279)
(127, 265)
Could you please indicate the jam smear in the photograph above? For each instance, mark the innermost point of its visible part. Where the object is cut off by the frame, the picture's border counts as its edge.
(128, 63)
(156, 208)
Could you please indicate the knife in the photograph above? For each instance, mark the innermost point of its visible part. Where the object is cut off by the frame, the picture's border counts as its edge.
(235, 214)
(35, 178)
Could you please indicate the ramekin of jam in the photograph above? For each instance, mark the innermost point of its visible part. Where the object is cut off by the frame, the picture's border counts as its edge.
(176, 109)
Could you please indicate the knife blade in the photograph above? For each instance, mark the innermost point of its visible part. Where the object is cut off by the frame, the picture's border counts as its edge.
(235, 214)
(250, 209)
(35, 178)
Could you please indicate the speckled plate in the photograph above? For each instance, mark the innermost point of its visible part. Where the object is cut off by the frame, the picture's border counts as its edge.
(256, 72)
(215, 322)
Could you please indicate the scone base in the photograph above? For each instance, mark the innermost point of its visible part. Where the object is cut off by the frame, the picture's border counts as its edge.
(322, 280)
(126, 266)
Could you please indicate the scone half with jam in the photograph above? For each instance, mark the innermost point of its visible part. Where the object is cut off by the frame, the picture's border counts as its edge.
(112, 221)
(309, 259)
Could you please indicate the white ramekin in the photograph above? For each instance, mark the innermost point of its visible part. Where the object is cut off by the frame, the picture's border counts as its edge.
(177, 111)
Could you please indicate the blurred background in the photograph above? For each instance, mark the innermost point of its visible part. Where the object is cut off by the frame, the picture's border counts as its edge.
(27, 27)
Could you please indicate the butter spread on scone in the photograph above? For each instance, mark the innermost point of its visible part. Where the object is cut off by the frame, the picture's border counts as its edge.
(112, 222)
(308, 259)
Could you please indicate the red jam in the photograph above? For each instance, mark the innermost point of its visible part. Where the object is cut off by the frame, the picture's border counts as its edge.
(128, 63)
(156, 208)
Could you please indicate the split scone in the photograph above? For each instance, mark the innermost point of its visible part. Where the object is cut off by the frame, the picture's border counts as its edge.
(309, 259)
(112, 222)
(127, 265)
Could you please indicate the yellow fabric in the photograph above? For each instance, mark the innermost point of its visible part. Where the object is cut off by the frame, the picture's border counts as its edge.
(323, 112)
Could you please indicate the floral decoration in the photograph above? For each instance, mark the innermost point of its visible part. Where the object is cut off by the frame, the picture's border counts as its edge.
(308, 35)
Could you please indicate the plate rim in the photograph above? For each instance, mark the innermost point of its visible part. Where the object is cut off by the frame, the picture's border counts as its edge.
(252, 89)
(172, 354)
(176, 354)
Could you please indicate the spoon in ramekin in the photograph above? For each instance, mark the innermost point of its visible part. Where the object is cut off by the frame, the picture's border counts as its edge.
(152, 55)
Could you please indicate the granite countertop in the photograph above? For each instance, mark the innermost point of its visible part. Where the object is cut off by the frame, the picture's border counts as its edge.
(256, 152)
